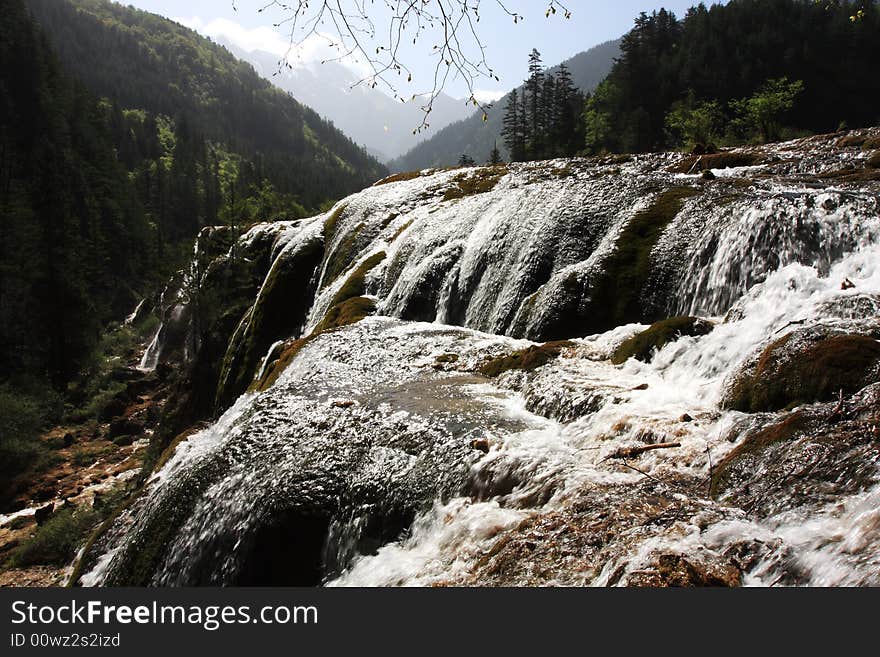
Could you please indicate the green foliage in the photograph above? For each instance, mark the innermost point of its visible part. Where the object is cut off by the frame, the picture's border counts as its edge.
(763, 112)
(25, 411)
(55, 543)
(692, 123)
(141, 60)
(719, 75)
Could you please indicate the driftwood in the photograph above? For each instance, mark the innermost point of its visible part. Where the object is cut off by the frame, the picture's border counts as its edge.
(799, 322)
(633, 452)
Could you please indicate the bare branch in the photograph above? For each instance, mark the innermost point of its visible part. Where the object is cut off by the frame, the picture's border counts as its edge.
(449, 27)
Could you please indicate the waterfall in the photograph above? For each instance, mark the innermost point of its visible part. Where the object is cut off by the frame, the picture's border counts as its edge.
(385, 454)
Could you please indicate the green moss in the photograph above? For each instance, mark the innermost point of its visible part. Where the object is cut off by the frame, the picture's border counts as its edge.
(643, 346)
(55, 543)
(342, 256)
(480, 181)
(331, 223)
(526, 360)
(279, 311)
(347, 313)
(753, 446)
(355, 286)
(616, 294)
(784, 378)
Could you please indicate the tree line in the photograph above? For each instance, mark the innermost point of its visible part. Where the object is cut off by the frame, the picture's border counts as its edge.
(745, 71)
(543, 120)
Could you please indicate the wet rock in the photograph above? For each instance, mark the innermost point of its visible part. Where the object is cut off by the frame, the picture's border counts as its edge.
(677, 571)
(41, 515)
(644, 345)
(125, 427)
(481, 445)
(527, 360)
(807, 458)
(685, 419)
(810, 365)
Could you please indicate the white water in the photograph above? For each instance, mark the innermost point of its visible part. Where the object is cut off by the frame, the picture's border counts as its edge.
(839, 545)
(775, 255)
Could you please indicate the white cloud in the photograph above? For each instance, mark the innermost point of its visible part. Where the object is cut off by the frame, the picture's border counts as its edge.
(315, 48)
(487, 96)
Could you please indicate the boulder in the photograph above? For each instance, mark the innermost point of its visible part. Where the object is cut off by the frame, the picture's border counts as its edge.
(644, 345)
(807, 366)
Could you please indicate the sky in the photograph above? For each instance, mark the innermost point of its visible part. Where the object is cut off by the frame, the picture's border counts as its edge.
(507, 44)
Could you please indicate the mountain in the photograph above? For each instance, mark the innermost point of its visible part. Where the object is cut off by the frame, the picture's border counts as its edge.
(384, 126)
(476, 137)
(142, 61)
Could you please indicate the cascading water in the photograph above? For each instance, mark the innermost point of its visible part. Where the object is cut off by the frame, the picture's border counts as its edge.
(385, 455)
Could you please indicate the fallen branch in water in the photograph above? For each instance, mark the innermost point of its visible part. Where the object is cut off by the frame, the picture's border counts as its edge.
(799, 322)
(633, 452)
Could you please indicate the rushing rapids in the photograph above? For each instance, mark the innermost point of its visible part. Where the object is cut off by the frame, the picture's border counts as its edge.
(389, 421)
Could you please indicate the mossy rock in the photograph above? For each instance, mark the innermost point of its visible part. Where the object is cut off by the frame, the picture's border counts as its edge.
(279, 311)
(355, 286)
(526, 360)
(617, 291)
(399, 177)
(802, 368)
(617, 294)
(726, 160)
(332, 221)
(480, 181)
(347, 313)
(344, 314)
(644, 345)
(873, 161)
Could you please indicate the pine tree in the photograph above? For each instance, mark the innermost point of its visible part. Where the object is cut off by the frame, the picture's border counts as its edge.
(495, 156)
(534, 93)
(466, 160)
(548, 118)
(567, 102)
(513, 128)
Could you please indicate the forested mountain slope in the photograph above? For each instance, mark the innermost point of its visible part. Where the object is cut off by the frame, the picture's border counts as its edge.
(143, 61)
(74, 238)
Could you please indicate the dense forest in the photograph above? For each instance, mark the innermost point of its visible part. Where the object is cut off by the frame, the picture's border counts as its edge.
(75, 240)
(143, 61)
(741, 71)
